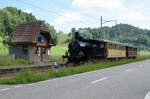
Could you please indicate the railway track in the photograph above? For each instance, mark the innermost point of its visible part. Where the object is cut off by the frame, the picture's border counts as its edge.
(5, 72)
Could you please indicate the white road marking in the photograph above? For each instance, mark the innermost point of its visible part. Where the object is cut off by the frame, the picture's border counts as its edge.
(19, 86)
(147, 96)
(128, 70)
(29, 84)
(4, 89)
(104, 78)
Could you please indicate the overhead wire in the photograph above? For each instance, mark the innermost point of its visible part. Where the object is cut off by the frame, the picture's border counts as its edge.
(49, 11)
(85, 14)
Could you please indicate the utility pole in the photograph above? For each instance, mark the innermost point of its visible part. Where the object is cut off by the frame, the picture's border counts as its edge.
(103, 22)
(101, 27)
(116, 22)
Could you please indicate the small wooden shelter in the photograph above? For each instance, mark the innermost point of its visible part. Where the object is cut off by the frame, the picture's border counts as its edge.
(31, 41)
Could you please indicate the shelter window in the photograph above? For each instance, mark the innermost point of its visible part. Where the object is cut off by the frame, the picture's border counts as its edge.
(25, 49)
(36, 50)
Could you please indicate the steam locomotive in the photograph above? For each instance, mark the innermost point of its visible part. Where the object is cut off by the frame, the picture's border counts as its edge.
(81, 49)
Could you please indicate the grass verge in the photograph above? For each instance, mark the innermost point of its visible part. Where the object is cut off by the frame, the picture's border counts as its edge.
(6, 61)
(28, 76)
(143, 53)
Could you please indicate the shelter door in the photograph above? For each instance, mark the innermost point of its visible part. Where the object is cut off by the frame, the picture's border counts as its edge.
(41, 49)
(40, 53)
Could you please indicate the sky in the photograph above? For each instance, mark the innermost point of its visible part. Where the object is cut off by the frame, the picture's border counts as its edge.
(66, 14)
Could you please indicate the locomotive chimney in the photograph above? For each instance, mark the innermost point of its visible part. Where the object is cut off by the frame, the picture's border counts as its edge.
(76, 36)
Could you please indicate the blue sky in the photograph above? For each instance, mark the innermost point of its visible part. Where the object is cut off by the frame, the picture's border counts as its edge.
(65, 14)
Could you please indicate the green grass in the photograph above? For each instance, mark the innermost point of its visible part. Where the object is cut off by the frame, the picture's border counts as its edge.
(28, 76)
(61, 47)
(3, 48)
(25, 77)
(58, 59)
(142, 53)
(59, 50)
(6, 61)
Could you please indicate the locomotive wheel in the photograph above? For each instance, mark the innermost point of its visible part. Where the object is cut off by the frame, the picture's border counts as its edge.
(81, 55)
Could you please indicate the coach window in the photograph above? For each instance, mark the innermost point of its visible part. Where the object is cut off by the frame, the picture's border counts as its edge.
(108, 46)
(112, 46)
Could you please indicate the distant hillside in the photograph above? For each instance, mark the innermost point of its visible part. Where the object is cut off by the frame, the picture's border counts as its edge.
(122, 33)
(62, 38)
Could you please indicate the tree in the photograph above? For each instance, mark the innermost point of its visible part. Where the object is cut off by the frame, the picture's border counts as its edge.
(52, 32)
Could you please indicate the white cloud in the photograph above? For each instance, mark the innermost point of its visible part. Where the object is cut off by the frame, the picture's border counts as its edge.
(132, 15)
(144, 26)
(28, 10)
(70, 20)
(68, 17)
(97, 3)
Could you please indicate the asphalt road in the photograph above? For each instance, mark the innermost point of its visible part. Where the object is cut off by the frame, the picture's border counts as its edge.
(130, 81)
